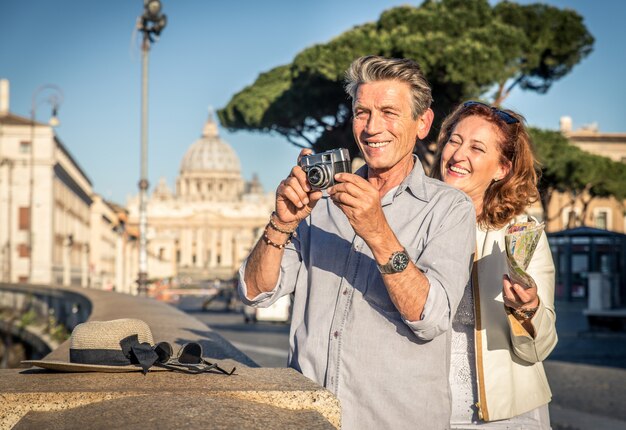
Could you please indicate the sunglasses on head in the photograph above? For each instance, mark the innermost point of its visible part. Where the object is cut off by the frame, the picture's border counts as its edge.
(189, 359)
(506, 117)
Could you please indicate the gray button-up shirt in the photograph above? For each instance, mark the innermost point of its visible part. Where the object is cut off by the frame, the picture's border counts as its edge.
(346, 333)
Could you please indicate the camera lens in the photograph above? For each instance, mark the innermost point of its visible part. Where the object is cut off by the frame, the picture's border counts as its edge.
(317, 177)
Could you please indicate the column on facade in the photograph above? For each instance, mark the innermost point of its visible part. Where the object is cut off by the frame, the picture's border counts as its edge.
(212, 247)
(243, 243)
(227, 248)
(236, 247)
(186, 245)
(67, 263)
(200, 234)
(84, 266)
(171, 257)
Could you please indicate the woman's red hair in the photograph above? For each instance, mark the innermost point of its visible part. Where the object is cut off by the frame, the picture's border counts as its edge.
(509, 197)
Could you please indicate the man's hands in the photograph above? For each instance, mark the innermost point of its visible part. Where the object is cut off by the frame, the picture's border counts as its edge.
(360, 202)
(294, 198)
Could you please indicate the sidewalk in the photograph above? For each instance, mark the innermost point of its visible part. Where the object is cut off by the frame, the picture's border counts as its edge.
(587, 374)
(577, 344)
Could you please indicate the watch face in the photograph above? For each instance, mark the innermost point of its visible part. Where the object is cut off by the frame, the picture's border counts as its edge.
(399, 261)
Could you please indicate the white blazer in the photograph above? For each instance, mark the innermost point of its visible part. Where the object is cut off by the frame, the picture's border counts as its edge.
(511, 378)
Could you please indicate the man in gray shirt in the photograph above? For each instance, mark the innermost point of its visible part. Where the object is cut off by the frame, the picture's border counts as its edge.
(377, 263)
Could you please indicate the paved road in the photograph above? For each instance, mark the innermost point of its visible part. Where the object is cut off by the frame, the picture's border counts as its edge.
(266, 343)
(587, 371)
(587, 374)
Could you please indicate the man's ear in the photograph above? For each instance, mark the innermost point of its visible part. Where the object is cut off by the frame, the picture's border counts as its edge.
(425, 120)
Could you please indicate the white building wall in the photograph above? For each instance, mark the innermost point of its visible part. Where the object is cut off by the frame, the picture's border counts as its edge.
(17, 166)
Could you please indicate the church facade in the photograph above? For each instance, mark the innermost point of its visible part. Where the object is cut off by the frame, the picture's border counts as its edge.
(205, 228)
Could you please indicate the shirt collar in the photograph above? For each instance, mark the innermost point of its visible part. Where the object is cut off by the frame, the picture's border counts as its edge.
(414, 182)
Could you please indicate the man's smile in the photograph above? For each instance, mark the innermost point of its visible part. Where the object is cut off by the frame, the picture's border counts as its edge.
(378, 144)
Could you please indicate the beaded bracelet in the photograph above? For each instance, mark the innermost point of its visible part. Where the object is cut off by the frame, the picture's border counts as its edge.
(269, 241)
(524, 314)
(277, 228)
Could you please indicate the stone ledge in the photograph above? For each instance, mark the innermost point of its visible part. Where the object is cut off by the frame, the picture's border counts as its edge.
(29, 397)
(253, 398)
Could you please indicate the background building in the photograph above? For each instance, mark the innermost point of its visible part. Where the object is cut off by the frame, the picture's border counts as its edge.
(602, 213)
(206, 227)
(203, 230)
(45, 200)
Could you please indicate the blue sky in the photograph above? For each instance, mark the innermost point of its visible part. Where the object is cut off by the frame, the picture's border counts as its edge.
(209, 51)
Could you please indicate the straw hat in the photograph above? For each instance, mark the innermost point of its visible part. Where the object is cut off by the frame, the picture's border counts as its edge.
(105, 346)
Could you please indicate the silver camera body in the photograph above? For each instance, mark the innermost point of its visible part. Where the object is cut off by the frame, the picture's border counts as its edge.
(321, 168)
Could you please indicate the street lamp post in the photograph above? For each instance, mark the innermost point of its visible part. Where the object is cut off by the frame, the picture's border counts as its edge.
(54, 97)
(151, 23)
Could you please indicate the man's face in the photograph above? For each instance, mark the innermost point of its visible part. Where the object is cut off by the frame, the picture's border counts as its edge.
(383, 124)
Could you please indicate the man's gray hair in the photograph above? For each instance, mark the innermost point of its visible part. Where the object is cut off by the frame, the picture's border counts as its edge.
(374, 68)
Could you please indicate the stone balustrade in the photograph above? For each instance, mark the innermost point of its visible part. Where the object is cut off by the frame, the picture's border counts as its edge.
(253, 398)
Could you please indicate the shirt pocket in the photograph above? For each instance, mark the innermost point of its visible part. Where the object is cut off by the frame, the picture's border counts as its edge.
(376, 293)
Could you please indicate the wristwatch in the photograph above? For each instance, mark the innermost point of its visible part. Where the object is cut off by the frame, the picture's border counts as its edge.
(398, 261)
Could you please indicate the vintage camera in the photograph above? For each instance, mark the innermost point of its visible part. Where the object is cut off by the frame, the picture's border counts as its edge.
(320, 168)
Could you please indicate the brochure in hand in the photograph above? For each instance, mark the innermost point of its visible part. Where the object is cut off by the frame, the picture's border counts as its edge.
(521, 241)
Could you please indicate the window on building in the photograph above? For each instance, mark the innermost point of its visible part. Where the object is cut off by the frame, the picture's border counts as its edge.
(24, 218)
(193, 258)
(161, 253)
(25, 146)
(178, 256)
(22, 279)
(23, 250)
(601, 219)
(219, 258)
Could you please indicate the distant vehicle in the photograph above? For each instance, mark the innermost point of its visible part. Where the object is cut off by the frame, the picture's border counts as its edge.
(280, 311)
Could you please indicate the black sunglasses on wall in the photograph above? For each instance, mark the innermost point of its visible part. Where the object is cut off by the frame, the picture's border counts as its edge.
(506, 117)
(189, 359)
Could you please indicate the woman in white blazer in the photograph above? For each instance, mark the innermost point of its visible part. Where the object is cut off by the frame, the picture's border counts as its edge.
(502, 331)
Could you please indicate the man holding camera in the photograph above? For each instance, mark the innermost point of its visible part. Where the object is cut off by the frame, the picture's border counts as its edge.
(377, 262)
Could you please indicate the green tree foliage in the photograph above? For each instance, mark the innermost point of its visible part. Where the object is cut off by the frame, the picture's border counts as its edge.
(465, 47)
(582, 176)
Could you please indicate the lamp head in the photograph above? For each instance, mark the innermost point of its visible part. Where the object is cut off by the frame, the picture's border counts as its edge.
(152, 20)
(54, 119)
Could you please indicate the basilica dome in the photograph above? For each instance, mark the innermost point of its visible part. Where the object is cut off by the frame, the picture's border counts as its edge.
(210, 153)
(210, 169)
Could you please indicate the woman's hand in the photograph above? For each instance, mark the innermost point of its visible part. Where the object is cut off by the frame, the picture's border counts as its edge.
(518, 296)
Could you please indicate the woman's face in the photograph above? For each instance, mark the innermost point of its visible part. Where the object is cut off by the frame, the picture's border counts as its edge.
(470, 160)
